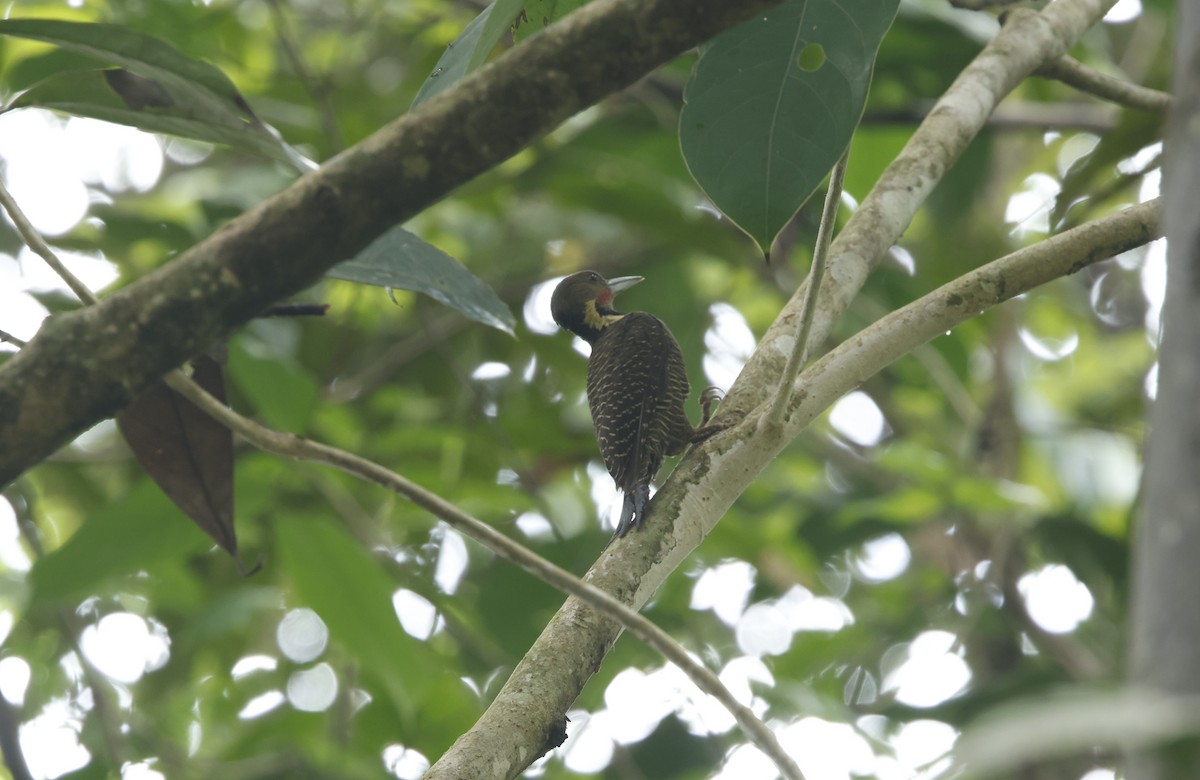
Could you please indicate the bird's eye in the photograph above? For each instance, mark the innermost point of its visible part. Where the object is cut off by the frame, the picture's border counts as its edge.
(593, 277)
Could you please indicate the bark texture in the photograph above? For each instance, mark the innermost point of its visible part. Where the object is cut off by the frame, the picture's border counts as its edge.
(1165, 630)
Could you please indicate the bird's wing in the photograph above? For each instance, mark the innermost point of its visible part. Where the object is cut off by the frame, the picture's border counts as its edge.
(636, 388)
(677, 428)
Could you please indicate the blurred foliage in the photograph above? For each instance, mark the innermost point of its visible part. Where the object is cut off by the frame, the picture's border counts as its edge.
(1008, 447)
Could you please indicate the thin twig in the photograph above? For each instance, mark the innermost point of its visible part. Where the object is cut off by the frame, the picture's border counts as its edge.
(799, 354)
(320, 95)
(10, 742)
(1102, 193)
(11, 339)
(982, 5)
(297, 310)
(1074, 73)
(298, 448)
(96, 682)
(1014, 114)
(34, 241)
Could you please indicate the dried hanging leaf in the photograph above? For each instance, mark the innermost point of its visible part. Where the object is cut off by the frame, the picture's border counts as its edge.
(186, 452)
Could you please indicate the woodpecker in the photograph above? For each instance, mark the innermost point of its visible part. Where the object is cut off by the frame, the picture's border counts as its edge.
(636, 385)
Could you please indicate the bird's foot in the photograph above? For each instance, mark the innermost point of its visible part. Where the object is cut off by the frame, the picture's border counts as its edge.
(709, 399)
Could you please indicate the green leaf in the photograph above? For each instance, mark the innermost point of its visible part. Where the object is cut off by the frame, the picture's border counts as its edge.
(470, 49)
(282, 393)
(148, 106)
(118, 538)
(904, 506)
(758, 131)
(402, 260)
(143, 54)
(156, 88)
(499, 21)
(231, 611)
(347, 587)
(540, 14)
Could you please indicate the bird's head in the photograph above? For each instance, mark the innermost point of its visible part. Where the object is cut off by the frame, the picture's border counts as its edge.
(583, 303)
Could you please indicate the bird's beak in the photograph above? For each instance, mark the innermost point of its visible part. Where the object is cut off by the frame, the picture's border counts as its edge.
(623, 283)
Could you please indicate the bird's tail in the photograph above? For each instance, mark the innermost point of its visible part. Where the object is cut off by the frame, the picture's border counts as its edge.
(633, 513)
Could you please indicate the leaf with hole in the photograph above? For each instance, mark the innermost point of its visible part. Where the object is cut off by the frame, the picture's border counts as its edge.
(772, 104)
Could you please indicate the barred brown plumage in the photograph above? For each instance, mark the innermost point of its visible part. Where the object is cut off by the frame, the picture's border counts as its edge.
(636, 385)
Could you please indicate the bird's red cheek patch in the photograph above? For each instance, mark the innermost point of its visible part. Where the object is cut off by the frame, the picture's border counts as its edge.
(605, 298)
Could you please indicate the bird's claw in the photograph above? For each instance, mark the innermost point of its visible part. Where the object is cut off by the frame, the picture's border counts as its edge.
(709, 399)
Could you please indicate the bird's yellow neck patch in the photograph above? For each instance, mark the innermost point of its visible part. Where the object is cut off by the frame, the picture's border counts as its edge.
(594, 319)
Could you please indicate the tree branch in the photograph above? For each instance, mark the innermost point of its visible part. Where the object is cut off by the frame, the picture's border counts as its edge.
(319, 92)
(1163, 640)
(897, 334)
(800, 350)
(10, 742)
(284, 244)
(706, 483)
(84, 366)
(1075, 74)
(34, 241)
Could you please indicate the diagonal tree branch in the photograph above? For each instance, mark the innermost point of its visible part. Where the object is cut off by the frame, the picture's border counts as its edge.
(84, 366)
(903, 330)
(34, 241)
